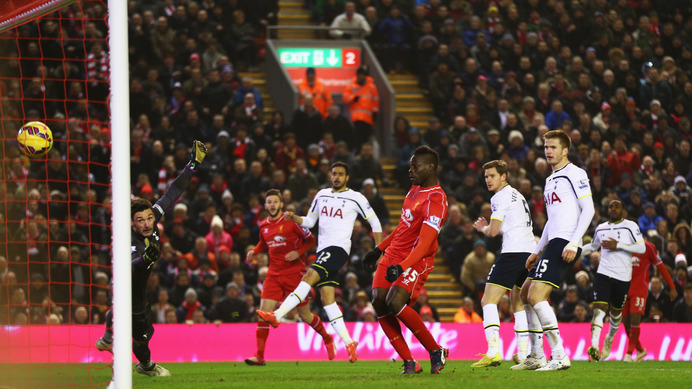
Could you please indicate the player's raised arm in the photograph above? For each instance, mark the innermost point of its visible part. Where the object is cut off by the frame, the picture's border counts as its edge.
(488, 229)
(199, 152)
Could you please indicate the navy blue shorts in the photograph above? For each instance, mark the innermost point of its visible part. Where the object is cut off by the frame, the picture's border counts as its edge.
(508, 270)
(551, 269)
(328, 263)
(608, 290)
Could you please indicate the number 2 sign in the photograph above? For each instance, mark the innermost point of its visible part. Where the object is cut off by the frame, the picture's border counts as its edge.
(350, 58)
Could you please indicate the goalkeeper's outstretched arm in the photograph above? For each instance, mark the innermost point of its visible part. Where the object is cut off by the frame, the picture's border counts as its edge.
(199, 151)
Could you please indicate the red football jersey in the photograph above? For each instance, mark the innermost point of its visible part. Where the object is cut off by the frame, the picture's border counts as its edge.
(641, 266)
(281, 237)
(421, 206)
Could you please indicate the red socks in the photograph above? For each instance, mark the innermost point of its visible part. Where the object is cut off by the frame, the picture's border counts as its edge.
(634, 339)
(391, 327)
(262, 334)
(317, 325)
(412, 320)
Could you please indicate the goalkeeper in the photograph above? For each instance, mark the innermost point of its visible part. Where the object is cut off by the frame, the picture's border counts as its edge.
(145, 252)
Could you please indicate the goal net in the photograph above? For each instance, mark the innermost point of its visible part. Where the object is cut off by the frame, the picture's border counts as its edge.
(55, 212)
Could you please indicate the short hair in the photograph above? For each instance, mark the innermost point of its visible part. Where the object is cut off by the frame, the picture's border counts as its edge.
(499, 165)
(426, 150)
(340, 164)
(561, 136)
(273, 192)
(139, 204)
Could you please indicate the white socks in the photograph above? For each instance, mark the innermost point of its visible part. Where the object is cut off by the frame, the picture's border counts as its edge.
(293, 300)
(614, 324)
(596, 327)
(521, 330)
(336, 318)
(535, 331)
(549, 322)
(491, 323)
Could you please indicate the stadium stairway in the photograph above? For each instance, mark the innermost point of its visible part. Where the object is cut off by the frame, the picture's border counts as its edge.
(443, 292)
(411, 101)
(294, 13)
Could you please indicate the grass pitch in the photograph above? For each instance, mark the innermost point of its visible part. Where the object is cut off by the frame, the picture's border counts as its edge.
(362, 374)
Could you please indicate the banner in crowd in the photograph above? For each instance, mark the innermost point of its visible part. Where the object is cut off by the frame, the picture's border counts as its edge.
(289, 342)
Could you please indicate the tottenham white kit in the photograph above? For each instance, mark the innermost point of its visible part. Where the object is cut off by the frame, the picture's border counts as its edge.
(336, 212)
(617, 263)
(510, 207)
(563, 190)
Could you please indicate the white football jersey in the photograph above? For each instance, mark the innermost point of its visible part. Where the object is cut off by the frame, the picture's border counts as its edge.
(563, 190)
(336, 213)
(510, 207)
(617, 263)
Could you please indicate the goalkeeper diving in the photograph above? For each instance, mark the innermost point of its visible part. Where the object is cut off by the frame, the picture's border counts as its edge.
(145, 252)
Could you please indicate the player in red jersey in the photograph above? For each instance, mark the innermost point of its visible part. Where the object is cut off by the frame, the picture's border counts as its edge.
(287, 243)
(408, 260)
(636, 298)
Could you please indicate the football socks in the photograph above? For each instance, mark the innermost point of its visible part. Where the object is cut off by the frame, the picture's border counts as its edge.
(549, 323)
(491, 324)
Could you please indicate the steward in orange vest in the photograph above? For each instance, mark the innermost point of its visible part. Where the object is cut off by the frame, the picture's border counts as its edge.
(322, 97)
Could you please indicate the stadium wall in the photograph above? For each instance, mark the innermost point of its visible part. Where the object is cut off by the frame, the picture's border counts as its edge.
(298, 342)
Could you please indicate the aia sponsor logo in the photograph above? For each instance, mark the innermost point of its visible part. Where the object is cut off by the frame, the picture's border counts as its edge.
(330, 212)
(552, 199)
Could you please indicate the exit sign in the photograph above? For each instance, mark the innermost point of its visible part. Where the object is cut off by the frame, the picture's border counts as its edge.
(319, 58)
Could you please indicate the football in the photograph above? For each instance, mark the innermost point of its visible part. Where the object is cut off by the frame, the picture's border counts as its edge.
(35, 139)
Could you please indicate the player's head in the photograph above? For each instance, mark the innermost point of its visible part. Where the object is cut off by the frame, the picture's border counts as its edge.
(495, 175)
(556, 144)
(615, 210)
(423, 166)
(273, 202)
(143, 219)
(340, 175)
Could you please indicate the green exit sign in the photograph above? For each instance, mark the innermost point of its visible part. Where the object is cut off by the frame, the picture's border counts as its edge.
(307, 57)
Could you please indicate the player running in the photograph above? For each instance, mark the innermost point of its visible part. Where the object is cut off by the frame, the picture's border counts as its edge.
(336, 210)
(636, 298)
(145, 252)
(408, 260)
(512, 218)
(569, 205)
(618, 239)
(287, 244)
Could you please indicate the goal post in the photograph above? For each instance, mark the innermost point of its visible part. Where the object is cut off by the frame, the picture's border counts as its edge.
(50, 71)
(120, 124)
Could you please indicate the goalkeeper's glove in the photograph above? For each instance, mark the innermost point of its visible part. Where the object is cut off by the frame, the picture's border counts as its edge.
(393, 272)
(370, 259)
(151, 252)
(199, 151)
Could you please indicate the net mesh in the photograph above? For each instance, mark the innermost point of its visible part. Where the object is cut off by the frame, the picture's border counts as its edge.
(55, 210)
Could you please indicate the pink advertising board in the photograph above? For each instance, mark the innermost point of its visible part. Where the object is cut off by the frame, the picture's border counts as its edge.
(289, 342)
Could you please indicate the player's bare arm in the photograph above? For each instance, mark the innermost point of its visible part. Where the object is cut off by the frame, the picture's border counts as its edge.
(531, 260)
(610, 244)
(488, 229)
(292, 256)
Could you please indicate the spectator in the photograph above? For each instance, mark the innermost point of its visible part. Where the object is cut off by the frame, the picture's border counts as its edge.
(476, 267)
(649, 220)
(354, 24)
(682, 312)
(231, 309)
(659, 296)
(466, 314)
(307, 123)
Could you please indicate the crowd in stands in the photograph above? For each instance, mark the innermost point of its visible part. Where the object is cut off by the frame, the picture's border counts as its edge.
(615, 75)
